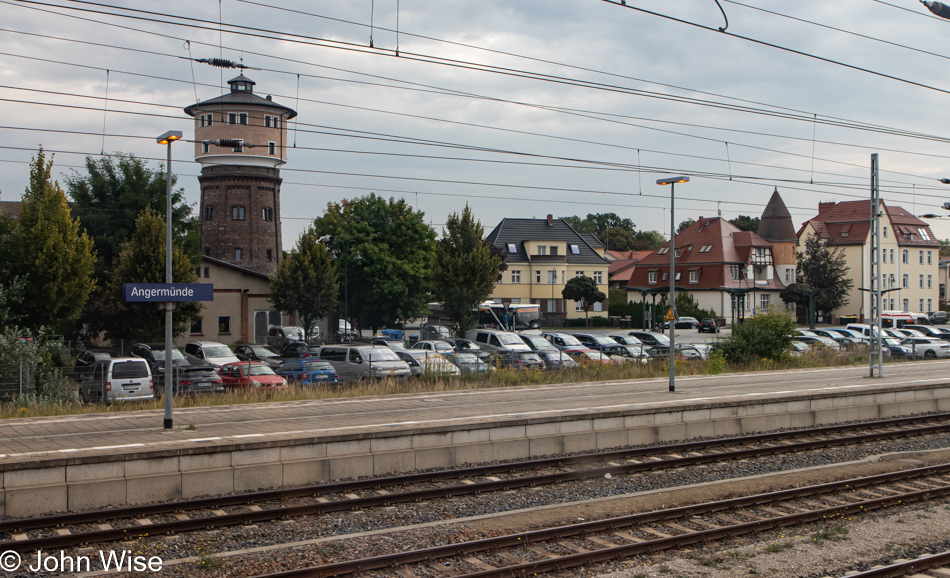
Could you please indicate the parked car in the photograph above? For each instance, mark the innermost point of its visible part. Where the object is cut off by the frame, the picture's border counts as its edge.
(355, 362)
(650, 338)
(298, 349)
(194, 380)
(595, 341)
(434, 345)
(118, 379)
(154, 355)
(811, 336)
(86, 361)
(555, 359)
(707, 325)
(927, 347)
(683, 323)
(848, 333)
(495, 340)
(586, 356)
(903, 333)
(520, 360)
(214, 353)
(279, 336)
(467, 362)
(307, 371)
(249, 374)
(624, 339)
(938, 317)
(258, 353)
(627, 352)
(461, 344)
(800, 348)
(929, 331)
(564, 341)
(894, 348)
(429, 332)
(423, 361)
(394, 344)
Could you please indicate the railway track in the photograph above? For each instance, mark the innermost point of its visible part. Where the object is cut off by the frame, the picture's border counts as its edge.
(564, 547)
(118, 524)
(936, 564)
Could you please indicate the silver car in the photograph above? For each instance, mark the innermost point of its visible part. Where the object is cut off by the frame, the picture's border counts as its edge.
(927, 347)
(361, 362)
(118, 379)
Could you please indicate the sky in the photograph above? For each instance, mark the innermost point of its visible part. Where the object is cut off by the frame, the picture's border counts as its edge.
(519, 108)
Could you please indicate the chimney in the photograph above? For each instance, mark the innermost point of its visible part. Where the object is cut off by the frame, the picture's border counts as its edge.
(550, 220)
(823, 207)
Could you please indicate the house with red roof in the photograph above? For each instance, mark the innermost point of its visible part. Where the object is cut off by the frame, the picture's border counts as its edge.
(910, 255)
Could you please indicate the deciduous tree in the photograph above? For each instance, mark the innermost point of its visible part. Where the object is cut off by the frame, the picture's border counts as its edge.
(53, 255)
(583, 290)
(391, 280)
(746, 223)
(464, 269)
(142, 260)
(820, 267)
(306, 282)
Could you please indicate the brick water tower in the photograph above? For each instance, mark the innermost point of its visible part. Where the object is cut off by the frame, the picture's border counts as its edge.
(241, 140)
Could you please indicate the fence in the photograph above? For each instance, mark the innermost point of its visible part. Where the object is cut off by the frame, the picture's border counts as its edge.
(24, 378)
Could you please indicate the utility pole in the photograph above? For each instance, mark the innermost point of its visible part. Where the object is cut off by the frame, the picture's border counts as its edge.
(876, 356)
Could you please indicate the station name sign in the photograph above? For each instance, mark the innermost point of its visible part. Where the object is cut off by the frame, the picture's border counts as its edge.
(164, 292)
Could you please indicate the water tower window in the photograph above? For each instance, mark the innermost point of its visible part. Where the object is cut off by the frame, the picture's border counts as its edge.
(268, 214)
(243, 118)
(237, 213)
(232, 118)
(272, 148)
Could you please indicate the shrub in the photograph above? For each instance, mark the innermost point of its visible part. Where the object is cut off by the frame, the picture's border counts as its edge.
(765, 336)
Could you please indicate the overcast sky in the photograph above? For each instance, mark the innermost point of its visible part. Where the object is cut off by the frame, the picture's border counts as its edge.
(637, 96)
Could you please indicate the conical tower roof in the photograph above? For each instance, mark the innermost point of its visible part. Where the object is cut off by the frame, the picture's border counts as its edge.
(776, 223)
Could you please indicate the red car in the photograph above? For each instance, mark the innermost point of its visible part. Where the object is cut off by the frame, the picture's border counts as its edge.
(250, 374)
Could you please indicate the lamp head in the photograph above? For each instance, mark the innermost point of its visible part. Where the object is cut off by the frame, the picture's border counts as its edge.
(168, 137)
(357, 256)
(671, 180)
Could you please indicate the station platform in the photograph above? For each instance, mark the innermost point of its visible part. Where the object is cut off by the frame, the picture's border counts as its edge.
(80, 462)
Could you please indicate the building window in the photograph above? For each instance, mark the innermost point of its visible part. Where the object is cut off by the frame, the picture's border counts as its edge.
(921, 256)
(268, 214)
(512, 248)
(537, 277)
(209, 213)
(893, 281)
(892, 303)
(764, 300)
(267, 118)
(575, 250)
(206, 119)
(930, 305)
(205, 147)
(905, 256)
(552, 305)
(207, 272)
(921, 281)
(906, 305)
(196, 327)
(578, 306)
(276, 121)
(651, 277)
(906, 281)
(892, 255)
(930, 281)
(930, 257)
(237, 213)
(678, 275)
(224, 325)
(663, 251)
(542, 249)
(676, 252)
(272, 148)
(666, 276)
(885, 232)
(232, 118)
(516, 276)
(694, 276)
(238, 253)
(554, 249)
(242, 118)
(736, 272)
(599, 277)
(552, 277)
(705, 248)
(270, 255)
(578, 273)
(208, 251)
(923, 234)
(921, 308)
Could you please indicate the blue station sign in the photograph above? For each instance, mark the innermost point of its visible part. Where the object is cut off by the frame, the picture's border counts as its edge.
(163, 292)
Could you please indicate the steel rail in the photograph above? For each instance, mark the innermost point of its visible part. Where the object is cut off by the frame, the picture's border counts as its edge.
(905, 568)
(514, 540)
(217, 502)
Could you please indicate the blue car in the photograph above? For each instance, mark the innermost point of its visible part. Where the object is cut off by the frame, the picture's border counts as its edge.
(307, 371)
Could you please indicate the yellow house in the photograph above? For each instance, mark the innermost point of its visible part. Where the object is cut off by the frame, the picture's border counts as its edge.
(910, 255)
(542, 254)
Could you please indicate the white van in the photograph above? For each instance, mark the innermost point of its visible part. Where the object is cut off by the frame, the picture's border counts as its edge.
(862, 328)
(496, 340)
(118, 379)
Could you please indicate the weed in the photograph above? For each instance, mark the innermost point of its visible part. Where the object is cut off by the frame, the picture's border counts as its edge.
(206, 555)
(835, 533)
(192, 426)
(664, 570)
(779, 547)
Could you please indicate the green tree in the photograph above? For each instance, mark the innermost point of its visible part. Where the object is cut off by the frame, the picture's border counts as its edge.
(649, 241)
(746, 223)
(464, 270)
(618, 239)
(765, 336)
(112, 195)
(11, 286)
(597, 223)
(820, 267)
(54, 256)
(391, 280)
(686, 306)
(682, 226)
(306, 282)
(142, 260)
(944, 247)
(584, 290)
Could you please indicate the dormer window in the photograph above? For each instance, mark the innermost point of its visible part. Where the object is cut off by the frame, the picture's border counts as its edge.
(575, 250)
(512, 248)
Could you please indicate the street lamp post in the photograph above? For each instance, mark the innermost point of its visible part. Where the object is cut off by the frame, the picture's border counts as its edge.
(167, 139)
(346, 272)
(671, 181)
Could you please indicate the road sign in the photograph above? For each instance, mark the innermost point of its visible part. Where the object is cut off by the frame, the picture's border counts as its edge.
(163, 292)
(670, 316)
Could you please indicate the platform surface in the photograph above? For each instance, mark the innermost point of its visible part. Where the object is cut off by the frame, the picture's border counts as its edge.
(26, 439)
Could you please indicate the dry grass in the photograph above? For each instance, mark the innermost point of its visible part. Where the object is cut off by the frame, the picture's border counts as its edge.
(33, 407)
